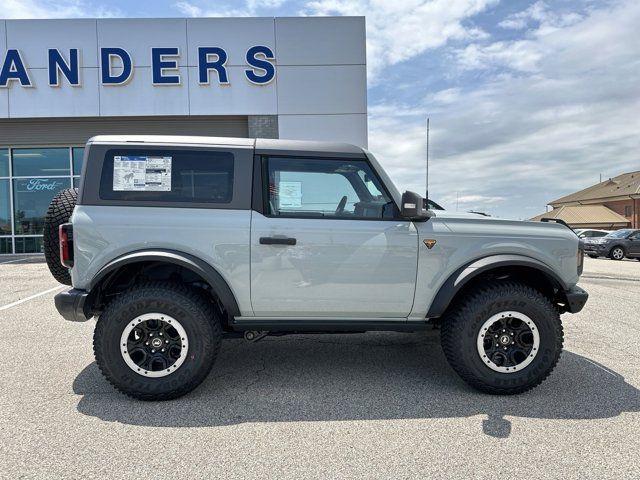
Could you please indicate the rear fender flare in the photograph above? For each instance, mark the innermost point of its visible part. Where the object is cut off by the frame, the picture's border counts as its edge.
(190, 262)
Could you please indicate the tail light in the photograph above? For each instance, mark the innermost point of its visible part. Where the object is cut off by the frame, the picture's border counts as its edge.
(580, 259)
(65, 232)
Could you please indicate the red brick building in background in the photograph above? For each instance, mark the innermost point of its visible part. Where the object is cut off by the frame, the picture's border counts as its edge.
(619, 194)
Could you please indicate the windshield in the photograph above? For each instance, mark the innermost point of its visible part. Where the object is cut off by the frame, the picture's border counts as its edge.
(619, 234)
(431, 205)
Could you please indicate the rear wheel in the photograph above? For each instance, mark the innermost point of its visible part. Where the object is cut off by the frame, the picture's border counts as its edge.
(617, 253)
(592, 256)
(504, 338)
(157, 341)
(59, 212)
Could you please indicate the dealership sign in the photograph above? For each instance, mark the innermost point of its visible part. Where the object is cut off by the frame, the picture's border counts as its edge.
(40, 184)
(116, 66)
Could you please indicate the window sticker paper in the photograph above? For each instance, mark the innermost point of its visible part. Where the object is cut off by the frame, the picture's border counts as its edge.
(141, 174)
(290, 194)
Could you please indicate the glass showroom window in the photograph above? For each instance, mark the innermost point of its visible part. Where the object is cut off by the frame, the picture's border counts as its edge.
(32, 162)
(29, 178)
(5, 203)
(77, 154)
(5, 217)
(31, 197)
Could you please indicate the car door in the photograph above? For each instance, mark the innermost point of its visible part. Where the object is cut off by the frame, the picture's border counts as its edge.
(328, 242)
(634, 244)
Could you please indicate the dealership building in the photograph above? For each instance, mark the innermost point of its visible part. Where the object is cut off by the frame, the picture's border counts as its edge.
(63, 81)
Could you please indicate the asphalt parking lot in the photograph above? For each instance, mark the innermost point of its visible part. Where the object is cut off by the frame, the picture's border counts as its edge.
(375, 405)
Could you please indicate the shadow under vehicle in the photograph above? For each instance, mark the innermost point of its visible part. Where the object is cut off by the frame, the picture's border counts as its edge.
(375, 376)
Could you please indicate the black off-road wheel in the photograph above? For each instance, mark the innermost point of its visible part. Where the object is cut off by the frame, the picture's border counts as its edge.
(617, 253)
(157, 341)
(59, 212)
(503, 338)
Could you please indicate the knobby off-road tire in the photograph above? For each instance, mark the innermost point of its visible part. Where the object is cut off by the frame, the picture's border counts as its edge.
(59, 212)
(462, 330)
(188, 310)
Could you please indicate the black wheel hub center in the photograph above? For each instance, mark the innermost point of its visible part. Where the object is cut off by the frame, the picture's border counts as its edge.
(508, 342)
(154, 345)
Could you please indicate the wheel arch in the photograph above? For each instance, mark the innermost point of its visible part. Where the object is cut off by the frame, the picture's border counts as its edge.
(196, 266)
(526, 269)
(619, 245)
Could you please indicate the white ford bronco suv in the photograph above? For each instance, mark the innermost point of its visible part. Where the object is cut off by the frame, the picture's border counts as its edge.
(174, 243)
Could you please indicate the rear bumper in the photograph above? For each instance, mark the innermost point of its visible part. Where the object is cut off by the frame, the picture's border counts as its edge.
(576, 299)
(71, 305)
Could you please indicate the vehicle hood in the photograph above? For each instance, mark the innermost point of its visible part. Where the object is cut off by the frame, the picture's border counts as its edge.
(462, 238)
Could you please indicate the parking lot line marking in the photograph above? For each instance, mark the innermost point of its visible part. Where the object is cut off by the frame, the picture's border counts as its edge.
(26, 299)
(17, 260)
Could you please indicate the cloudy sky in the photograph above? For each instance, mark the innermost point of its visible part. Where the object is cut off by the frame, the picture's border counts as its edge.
(528, 100)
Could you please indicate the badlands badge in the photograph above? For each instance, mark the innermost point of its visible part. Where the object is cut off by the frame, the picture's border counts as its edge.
(429, 243)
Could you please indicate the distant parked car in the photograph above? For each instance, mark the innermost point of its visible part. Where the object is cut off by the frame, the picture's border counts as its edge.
(616, 245)
(591, 233)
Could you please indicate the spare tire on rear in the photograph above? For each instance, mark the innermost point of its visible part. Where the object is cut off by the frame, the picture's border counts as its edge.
(59, 212)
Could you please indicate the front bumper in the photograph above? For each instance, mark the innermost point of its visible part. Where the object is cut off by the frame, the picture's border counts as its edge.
(576, 299)
(71, 304)
(601, 249)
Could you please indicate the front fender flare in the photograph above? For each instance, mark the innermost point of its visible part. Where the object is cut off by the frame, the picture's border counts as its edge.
(190, 262)
(464, 274)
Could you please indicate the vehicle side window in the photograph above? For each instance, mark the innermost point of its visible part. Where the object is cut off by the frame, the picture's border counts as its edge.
(181, 176)
(325, 188)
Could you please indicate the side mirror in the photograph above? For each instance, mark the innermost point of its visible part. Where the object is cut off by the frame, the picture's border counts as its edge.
(412, 207)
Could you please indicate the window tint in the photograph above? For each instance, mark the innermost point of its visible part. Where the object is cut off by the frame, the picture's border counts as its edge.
(325, 188)
(167, 176)
(32, 162)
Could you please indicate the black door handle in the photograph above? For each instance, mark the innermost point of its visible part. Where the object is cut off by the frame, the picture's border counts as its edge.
(277, 241)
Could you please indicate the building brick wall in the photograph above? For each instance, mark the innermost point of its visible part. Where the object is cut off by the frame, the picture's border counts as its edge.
(623, 207)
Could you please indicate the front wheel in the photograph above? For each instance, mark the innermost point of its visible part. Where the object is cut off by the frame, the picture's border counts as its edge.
(157, 341)
(504, 338)
(617, 253)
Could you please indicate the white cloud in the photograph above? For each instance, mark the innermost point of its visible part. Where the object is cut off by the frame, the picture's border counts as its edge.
(400, 30)
(247, 9)
(12, 9)
(522, 55)
(541, 14)
(565, 116)
(396, 31)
